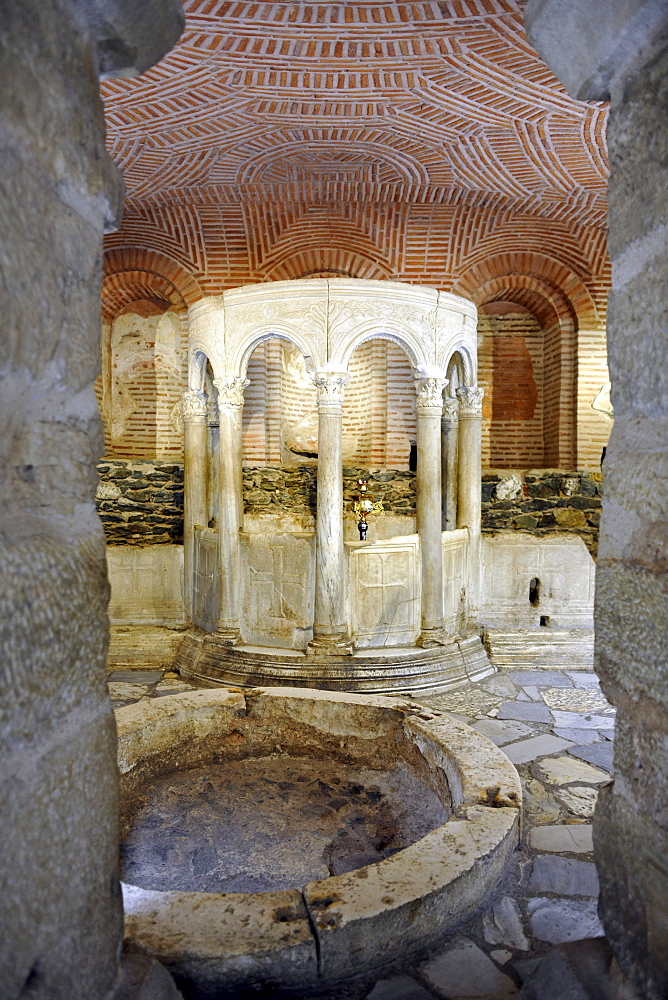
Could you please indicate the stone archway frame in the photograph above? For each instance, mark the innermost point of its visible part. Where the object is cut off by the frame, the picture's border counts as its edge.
(556, 294)
(327, 319)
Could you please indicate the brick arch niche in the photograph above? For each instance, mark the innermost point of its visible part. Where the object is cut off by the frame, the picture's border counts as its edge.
(540, 361)
(144, 355)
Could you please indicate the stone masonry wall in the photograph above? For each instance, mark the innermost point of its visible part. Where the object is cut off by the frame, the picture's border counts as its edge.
(141, 503)
(543, 502)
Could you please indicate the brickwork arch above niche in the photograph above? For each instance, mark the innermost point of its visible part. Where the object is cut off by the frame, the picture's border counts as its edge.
(327, 319)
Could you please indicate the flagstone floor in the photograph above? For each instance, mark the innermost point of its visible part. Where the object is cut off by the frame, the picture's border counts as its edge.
(545, 708)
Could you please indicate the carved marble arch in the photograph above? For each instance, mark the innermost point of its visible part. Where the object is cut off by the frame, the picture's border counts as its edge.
(245, 348)
(371, 330)
(460, 368)
(198, 362)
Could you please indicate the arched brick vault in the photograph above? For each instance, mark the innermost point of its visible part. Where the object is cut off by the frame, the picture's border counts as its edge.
(422, 142)
(133, 273)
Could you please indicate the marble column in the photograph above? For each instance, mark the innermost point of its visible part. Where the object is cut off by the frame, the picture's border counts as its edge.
(449, 449)
(469, 484)
(429, 409)
(195, 433)
(330, 629)
(230, 504)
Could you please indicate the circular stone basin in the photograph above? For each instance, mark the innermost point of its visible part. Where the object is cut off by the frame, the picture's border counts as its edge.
(280, 839)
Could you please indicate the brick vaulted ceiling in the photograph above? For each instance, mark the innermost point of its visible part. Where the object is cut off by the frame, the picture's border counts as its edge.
(400, 140)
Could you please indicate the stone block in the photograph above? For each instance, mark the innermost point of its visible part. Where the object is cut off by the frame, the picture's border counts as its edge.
(600, 755)
(565, 771)
(538, 746)
(563, 876)
(502, 924)
(571, 838)
(399, 988)
(59, 841)
(464, 970)
(524, 711)
(140, 977)
(557, 920)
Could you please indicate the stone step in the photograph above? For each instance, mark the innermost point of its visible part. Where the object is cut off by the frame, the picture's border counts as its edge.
(548, 648)
(144, 645)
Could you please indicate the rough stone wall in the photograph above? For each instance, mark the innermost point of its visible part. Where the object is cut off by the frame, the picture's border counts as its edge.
(140, 503)
(631, 825)
(620, 53)
(544, 503)
(61, 913)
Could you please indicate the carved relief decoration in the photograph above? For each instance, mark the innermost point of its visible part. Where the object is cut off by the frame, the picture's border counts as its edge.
(429, 392)
(330, 387)
(450, 408)
(470, 399)
(231, 391)
(194, 405)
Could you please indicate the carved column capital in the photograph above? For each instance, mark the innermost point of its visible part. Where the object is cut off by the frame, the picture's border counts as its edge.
(429, 392)
(470, 400)
(451, 408)
(231, 391)
(330, 387)
(194, 405)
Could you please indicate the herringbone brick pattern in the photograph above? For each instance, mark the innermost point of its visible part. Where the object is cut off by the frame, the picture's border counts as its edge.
(422, 142)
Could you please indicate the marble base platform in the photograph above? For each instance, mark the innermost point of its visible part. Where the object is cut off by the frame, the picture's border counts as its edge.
(204, 658)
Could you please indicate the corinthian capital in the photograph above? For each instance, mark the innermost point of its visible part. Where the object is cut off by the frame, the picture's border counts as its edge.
(193, 405)
(330, 387)
(231, 391)
(429, 392)
(470, 399)
(450, 408)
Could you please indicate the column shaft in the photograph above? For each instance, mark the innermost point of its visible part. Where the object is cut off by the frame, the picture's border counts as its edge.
(230, 505)
(330, 629)
(195, 433)
(469, 485)
(429, 408)
(449, 449)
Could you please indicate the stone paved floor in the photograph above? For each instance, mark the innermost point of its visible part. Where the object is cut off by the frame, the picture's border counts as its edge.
(551, 719)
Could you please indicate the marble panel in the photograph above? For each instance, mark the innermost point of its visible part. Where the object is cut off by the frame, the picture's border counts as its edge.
(561, 564)
(205, 582)
(383, 592)
(146, 584)
(278, 587)
(455, 553)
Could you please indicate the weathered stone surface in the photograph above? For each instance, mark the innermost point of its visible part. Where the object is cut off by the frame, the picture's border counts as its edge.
(599, 754)
(579, 800)
(60, 925)
(142, 978)
(557, 920)
(541, 678)
(564, 876)
(144, 507)
(571, 838)
(524, 711)
(503, 925)
(566, 700)
(399, 988)
(464, 970)
(227, 936)
(501, 732)
(579, 736)
(564, 771)
(534, 503)
(539, 805)
(573, 720)
(538, 746)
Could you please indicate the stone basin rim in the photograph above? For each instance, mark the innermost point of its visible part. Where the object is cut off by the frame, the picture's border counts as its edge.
(315, 936)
